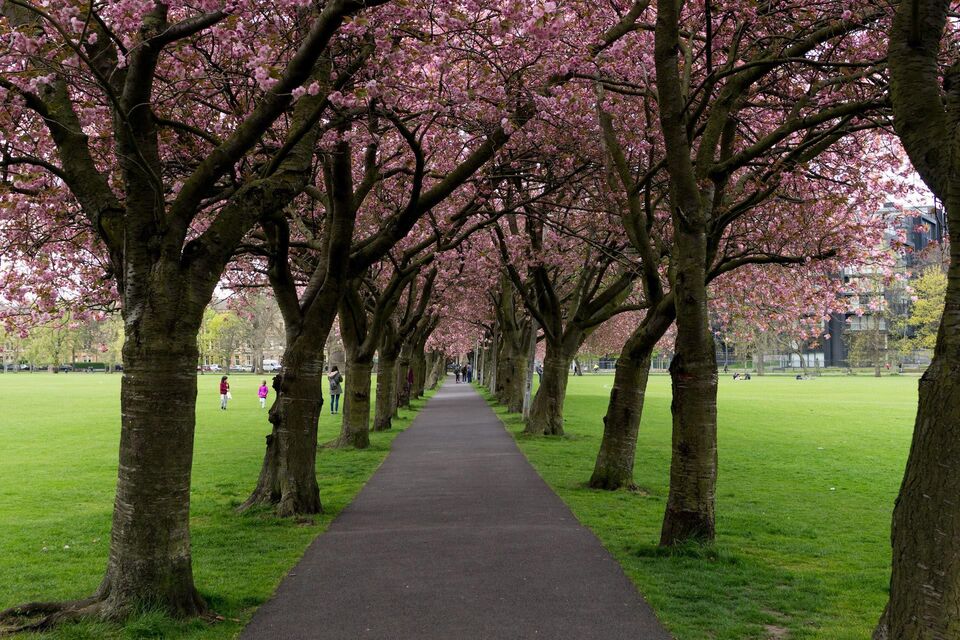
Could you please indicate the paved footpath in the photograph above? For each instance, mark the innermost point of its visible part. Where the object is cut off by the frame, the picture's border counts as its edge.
(456, 537)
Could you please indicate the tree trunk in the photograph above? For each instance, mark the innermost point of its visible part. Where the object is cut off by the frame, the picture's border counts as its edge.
(150, 558)
(546, 414)
(512, 367)
(436, 370)
(503, 372)
(492, 372)
(386, 390)
(925, 581)
(618, 449)
(288, 477)
(403, 387)
(484, 364)
(693, 373)
(518, 376)
(419, 371)
(355, 431)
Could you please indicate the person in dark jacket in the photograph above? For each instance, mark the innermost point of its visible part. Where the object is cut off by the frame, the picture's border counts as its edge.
(336, 388)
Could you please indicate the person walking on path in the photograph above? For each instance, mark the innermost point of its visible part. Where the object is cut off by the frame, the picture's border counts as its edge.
(262, 394)
(469, 372)
(456, 372)
(224, 393)
(336, 388)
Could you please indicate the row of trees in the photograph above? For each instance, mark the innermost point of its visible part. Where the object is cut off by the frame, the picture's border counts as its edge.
(223, 335)
(61, 341)
(434, 173)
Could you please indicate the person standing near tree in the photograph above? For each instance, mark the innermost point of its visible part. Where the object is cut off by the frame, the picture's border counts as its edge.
(262, 394)
(224, 393)
(456, 373)
(336, 388)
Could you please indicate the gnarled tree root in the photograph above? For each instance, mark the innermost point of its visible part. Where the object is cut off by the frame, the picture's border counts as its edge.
(41, 616)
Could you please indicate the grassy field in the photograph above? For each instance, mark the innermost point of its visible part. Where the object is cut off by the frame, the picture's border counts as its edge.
(808, 474)
(58, 462)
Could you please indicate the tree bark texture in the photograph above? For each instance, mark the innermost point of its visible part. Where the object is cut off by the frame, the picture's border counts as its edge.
(693, 374)
(925, 580)
(403, 372)
(546, 413)
(288, 478)
(512, 365)
(437, 368)
(386, 392)
(355, 430)
(150, 556)
(387, 378)
(693, 371)
(419, 359)
(621, 425)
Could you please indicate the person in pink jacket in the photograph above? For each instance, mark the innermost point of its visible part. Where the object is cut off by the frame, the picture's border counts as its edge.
(262, 394)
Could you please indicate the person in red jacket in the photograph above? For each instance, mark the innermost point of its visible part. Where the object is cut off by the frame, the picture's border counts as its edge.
(224, 392)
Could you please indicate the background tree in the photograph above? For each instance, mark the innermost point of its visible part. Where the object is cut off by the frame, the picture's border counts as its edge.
(923, 321)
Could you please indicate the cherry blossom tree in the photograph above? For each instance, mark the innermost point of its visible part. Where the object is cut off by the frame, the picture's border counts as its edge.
(136, 123)
(570, 280)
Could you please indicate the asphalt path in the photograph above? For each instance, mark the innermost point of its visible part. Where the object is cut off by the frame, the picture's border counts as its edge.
(456, 537)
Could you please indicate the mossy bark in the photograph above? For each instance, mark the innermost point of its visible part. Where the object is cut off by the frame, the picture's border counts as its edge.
(693, 374)
(386, 392)
(150, 552)
(546, 412)
(621, 424)
(288, 478)
(355, 430)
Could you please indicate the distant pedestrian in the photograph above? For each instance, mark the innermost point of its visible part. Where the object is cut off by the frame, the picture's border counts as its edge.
(539, 370)
(596, 368)
(224, 393)
(456, 372)
(336, 388)
(262, 394)
(469, 373)
(463, 373)
(900, 367)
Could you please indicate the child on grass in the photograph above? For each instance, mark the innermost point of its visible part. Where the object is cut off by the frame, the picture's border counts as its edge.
(262, 394)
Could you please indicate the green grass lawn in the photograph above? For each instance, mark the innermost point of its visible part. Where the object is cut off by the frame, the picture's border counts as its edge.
(808, 474)
(59, 439)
